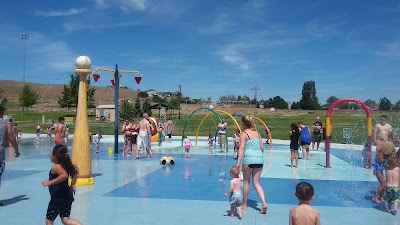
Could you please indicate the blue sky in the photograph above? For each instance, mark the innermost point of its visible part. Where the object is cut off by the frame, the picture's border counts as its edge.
(211, 48)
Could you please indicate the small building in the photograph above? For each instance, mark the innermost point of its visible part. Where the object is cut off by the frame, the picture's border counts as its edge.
(105, 113)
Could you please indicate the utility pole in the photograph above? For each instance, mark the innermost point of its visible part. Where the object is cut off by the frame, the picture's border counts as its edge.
(255, 89)
(24, 37)
(180, 97)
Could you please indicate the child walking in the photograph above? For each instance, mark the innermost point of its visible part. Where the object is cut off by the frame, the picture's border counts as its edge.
(236, 143)
(61, 193)
(186, 145)
(294, 134)
(236, 196)
(210, 143)
(304, 213)
(379, 168)
(97, 139)
(392, 172)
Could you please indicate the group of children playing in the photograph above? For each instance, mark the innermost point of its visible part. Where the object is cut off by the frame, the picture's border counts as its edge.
(387, 171)
(235, 139)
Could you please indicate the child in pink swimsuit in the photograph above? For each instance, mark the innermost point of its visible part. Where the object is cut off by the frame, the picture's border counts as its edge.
(186, 145)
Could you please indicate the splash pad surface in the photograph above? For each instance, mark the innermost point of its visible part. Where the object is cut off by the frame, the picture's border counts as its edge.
(128, 191)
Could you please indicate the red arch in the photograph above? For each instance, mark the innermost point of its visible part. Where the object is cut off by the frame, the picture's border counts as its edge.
(328, 131)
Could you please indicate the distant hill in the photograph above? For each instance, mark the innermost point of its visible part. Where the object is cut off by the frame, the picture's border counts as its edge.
(50, 93)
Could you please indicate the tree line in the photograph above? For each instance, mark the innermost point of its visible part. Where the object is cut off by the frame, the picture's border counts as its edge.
(310, 101)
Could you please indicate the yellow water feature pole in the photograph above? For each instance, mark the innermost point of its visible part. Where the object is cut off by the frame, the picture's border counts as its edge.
(80, 144)
(266, 127)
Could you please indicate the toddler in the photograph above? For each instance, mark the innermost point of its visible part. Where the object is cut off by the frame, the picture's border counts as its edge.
(186, 145)
(97, 139)
(210, 143)
(236, 196)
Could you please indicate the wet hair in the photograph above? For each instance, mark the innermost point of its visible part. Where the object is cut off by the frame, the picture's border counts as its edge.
(392, 161)
(384, 117)
(294, 126)
(210, 135)
(2, 108)
(304, 191)
(61, 119)
(235, 171)
(248, 122)
(60, 152)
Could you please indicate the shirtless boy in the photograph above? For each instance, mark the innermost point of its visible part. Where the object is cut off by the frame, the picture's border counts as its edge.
(392, 173)
(382, 132)
(236, 196)
(304, 214)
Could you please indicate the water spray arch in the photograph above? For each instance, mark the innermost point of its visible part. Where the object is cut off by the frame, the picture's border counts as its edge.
(202, 108)
(267, 128)
(328, 130)
(219, 111)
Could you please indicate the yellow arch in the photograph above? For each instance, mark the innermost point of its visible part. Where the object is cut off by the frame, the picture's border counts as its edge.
(205, 117)
(267, 128)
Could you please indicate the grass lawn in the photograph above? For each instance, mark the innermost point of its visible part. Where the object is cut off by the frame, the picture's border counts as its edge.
(279, 123)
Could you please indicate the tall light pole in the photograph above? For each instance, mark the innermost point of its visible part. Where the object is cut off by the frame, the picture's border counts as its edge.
(24, 37)
(180, 96)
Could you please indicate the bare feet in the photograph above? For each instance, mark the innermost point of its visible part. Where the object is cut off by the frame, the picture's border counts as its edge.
(244, 207)
(375, 199)
(264, 210)
(231, 215)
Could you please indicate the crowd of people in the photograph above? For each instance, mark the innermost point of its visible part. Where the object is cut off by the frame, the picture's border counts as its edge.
(248, 150)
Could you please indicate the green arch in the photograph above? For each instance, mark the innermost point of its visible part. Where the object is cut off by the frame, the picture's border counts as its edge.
(212, 111)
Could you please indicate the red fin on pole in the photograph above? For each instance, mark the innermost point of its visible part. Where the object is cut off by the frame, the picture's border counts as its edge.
(113, 82)
(96, 77)
(138, 79)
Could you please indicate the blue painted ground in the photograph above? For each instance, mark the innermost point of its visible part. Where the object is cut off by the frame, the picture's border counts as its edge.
(129, 191)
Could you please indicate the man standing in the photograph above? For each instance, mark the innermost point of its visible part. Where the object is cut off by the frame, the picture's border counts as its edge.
(383, 131)
(144, 136)
(316, 136)
(5, 134)
(222, 134)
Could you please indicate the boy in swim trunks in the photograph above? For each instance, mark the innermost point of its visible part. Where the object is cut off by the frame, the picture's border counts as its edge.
(392, 173)
(236, 196)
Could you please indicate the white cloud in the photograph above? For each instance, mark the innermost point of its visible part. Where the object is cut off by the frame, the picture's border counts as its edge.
(133, 5)
(102, 4)
(69, 12)
(71, 27)
(232, 55)
(221, 25)
(389, 50)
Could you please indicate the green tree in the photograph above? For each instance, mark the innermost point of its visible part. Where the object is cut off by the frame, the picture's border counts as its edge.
(137, 109)
(3, 100)
(385, 104)
(143, 94)
(146, 106)
(331, 100)
(309, 100)
(28, 98)
(296, 105)
(279, 103)
(157, 99)
(126, 110)
(371, 103)
(69, 98)
(396, 107)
